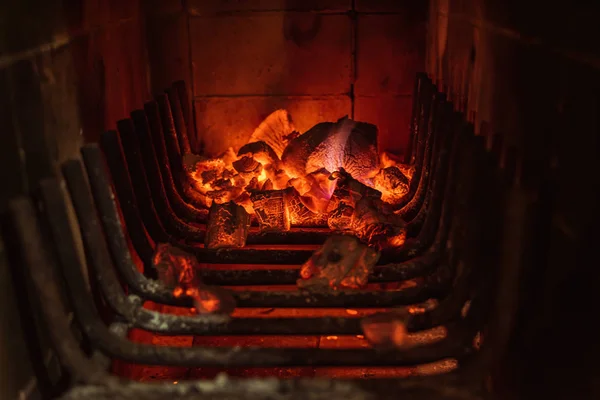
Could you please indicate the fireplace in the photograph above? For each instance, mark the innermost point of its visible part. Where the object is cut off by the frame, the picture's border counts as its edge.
(282, 199)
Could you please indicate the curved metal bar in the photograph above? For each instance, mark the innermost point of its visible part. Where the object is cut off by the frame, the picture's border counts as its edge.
(286, 276)
(119, 248)
(423, 138)
(434, 147)
(186, 110)
(40, 267)
(123, 349)
(174, 176)
(208, 255)
(150, 159)
(183, 181)
(420, 81)
(162, 211)
(103, 269)
(178, 120)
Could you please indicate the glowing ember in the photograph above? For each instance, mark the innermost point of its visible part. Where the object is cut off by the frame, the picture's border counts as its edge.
(271, 210)
(177, 269)
(330, 175)
(342, 263)
(389, 330)
(227, 226)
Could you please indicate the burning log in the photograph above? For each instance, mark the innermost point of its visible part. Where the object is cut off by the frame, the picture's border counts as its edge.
(342, 263)
(271, 210)
(227, 226)
(275, 131)
(392, 183)
(345, 144)
(177, 270)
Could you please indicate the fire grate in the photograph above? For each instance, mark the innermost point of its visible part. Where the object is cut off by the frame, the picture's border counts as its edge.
(145, 161)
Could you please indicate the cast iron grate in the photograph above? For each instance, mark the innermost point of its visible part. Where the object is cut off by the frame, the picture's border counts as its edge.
(145, 161)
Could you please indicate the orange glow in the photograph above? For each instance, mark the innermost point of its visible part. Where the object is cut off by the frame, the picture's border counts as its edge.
(281, 196)
(262, 165)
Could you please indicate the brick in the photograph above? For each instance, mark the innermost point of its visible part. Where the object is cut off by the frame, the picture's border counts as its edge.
(169, 55)
(229, 122)
(391, 115)
(204, 7)
(390, 52)
(271, 53)
(414, 8)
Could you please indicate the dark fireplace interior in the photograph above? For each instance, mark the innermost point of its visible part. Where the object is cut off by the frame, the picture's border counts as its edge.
(285, 199)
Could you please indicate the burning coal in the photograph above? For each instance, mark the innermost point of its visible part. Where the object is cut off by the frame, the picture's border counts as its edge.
(331, 175)
(177, 270)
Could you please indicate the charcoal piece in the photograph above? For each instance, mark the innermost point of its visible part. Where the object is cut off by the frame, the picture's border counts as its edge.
(253, 185)
(275, 131)
(361, 159)
(267, 185)
(177, 269)
(174, 266)
(271, 210)
(227, 226)
(228, 174)
(300, 214)
(247, 164)
(211, 299)
(341, 218)
(191, 161)
(342, 263)
(277, 176)
(238, 180)
(316, 189)
(222, 196)
(349, 190)
(392, 183)
(387, 330)
(345, 144)
(222, 183)
(208, 176)
(260, 151)
(376, 228)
